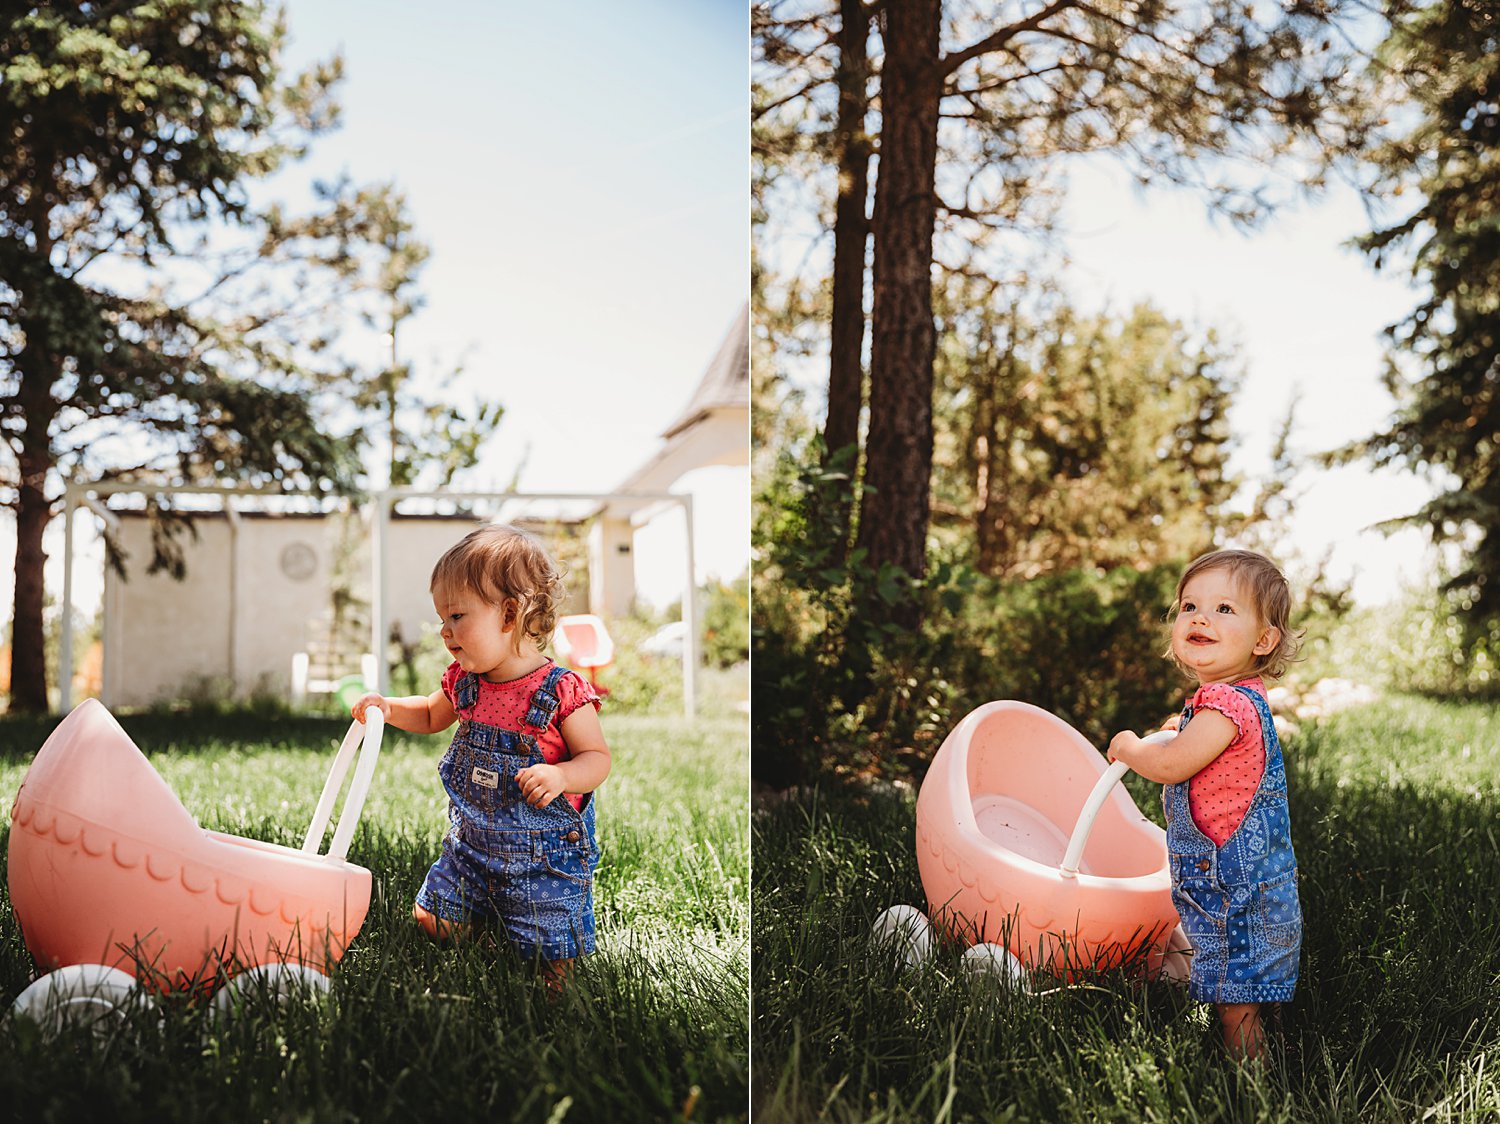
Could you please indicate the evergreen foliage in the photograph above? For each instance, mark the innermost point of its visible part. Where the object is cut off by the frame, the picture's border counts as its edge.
(1446, 370)
(121, 125)
(1068, 441)
(980, 105)
(156, 324)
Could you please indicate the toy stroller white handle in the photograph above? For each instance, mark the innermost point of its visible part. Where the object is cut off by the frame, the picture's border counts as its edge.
(1117, 769)
(371, 730)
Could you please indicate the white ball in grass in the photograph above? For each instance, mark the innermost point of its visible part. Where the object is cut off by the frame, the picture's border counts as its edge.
(281, 982)
(92, 995)
(905, 930)
(999, 962)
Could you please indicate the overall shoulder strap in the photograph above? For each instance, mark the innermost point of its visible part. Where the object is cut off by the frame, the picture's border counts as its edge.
(544, 700)
(1258, 701)
(466, 691)
(1268, 736)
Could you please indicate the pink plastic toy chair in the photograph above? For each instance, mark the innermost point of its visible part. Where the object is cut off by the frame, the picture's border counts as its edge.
(582, 641)
(1002, 861)
(108, 868)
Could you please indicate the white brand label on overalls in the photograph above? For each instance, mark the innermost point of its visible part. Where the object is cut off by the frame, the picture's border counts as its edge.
(485, 777)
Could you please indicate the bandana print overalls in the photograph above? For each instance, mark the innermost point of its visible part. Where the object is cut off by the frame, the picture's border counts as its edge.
(1239, 902)
(530, 869)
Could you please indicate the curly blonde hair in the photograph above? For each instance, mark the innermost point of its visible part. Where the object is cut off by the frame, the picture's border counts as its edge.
(1270, 594)
(510, 569)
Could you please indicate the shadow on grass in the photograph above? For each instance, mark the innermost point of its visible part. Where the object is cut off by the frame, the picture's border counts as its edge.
(1400, 988)
(410, 1029)
(21, 735)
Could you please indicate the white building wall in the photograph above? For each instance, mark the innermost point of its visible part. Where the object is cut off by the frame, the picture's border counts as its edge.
(285, 575)
(257, 591)
(231, 626)
(611, 566)
(413, 547)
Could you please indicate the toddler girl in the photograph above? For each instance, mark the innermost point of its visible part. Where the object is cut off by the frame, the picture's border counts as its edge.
(529, 752)
(1229, 841)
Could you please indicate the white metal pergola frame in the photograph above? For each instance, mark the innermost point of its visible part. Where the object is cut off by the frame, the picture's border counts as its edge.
(85, 494)
(385, 500)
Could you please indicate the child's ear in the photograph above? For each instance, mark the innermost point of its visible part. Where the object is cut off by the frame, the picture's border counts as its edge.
(510, 609)
(1268, 641)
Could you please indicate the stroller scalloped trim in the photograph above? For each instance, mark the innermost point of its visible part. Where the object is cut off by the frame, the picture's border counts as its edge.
(107, 867)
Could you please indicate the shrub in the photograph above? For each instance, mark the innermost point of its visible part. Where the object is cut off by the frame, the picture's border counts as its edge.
(1419, 644)
(1089, 647)
(726, 622)
(840, 686)
(640, 681)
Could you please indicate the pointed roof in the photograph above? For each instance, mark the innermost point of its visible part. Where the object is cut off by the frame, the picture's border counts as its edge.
(712, 429)
(726, 381)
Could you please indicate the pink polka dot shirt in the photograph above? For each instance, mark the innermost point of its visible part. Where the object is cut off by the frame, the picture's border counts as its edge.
(1220, 793)
(505, 704)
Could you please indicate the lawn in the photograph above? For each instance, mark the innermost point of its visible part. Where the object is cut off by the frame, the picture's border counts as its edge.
(1397, 1016)
(652, 1027)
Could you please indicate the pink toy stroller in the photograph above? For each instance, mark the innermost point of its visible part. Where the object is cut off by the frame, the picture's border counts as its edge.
(1005, 817)
(109, 871)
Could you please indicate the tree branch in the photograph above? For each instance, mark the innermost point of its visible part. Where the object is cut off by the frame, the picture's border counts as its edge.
(802, 91)
(999, 83)
(948, 64)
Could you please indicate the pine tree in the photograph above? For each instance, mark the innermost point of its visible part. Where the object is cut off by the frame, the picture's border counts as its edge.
(994, 98)
(129, 348)
(1445, 369)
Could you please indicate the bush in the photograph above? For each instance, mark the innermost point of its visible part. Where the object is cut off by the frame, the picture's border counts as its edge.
(1090, 648)
(842, 686)
(839, 683)
(726, 622)
(640, 682)
(1419, 645)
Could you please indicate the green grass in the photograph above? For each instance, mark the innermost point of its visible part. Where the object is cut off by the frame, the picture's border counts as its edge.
(1397, 1015)
(654, 1022)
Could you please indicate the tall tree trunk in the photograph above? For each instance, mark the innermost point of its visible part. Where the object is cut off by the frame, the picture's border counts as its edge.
(898, 449)
(28, 669)
(850, 233)
(39, 367)
(987, 452)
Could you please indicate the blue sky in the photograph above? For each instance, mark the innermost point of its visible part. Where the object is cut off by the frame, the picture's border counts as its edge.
(580, 173)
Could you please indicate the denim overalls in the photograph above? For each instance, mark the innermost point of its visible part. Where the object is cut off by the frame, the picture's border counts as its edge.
(531, 869)
(1239, 902)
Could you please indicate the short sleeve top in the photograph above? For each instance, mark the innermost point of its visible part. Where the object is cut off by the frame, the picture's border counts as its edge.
(505, 705)
(1221, 792)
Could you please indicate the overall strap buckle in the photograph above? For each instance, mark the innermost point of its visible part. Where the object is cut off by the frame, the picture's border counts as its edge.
(544, 700)
(466, 691)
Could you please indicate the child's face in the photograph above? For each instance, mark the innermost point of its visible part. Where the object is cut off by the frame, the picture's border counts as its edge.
(1218, 633)
(476, 632)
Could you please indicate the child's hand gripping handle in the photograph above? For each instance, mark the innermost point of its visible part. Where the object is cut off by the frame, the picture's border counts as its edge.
(1117, 769)
(370, 730)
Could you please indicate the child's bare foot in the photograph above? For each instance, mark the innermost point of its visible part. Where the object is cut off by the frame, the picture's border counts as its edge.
(556, 974)
(438, 929)
(1244, 1036)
